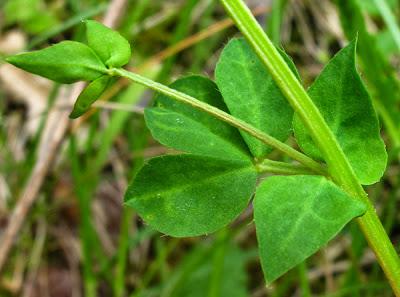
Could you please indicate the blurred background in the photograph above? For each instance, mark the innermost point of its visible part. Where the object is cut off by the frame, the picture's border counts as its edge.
(64, 230)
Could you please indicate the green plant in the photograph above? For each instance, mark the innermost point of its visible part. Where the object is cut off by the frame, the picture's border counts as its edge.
(206, 188)
(381, 78)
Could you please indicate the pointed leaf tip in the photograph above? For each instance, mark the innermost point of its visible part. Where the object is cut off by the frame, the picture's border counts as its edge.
(65, 62)
(344, 102)
(89, 95)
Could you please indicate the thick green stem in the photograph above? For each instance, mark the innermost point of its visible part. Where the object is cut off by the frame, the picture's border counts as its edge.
(338, 165)
(182, 97)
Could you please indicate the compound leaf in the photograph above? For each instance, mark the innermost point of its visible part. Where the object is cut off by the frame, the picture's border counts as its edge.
(89, 95)
(295, 216)
(113, 49)
(342, 99)
(252, 95)
(185, 128)
(65, 62)
(187, 195)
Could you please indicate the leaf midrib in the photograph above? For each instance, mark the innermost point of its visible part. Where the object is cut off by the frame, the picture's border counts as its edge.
(189, 185)
(229, 144)
(300, 219)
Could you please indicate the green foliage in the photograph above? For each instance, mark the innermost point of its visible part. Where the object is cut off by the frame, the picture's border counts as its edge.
(172, 194)
(295, 216)
(371, 8)
(65, 62)
(33, 15)
(187, 195)
(385, 43)
(380, 75)
(182, 127)
(345, 104)
(89, 95)
(199, 267)
(252, 95)
(202, 191)
(71, 61)
(113, 49)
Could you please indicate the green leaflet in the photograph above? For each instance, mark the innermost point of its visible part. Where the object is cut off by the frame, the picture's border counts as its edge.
(295, 216)
(66, 62)
(113, 49)
(187, 195)
(89, 95)
(377, 70)
(345, 104)
(182, 127)
(251, 94)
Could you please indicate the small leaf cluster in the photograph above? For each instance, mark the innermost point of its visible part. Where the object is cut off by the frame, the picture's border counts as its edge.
(219, 170)
(71, 61)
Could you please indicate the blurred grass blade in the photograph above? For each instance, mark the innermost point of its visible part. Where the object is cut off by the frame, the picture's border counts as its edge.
(390, 20)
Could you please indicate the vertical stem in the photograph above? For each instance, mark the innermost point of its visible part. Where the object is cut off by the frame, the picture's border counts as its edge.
(274, 21)
(86, 232)
(218, 259)
(338, 165)
(304, 283)
(126, 223)
(122, 253)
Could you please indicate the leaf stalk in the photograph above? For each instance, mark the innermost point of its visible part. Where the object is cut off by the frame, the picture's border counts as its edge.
(219, 114)
(277, 167)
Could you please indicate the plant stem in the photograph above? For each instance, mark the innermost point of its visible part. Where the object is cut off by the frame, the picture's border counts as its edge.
(338, 165)
(122, 253)
(184, 98)
(304, 281)
(270, 166)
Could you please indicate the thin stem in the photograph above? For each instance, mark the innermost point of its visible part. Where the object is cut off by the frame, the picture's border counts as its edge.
(274, 21)
(338, 165)
(182, 97)
(122, 253)
(270, 166)
(304, 281)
